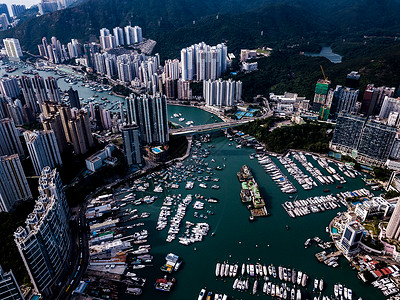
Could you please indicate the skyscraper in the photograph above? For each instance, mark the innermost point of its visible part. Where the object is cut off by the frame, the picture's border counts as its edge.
(74, 98)
(13, 48)
(52, 88)
(9, 137)
(13, 184)
(373, 99)
(9, 87)
(132, 145)
(39, 88)
(119, 36)
(393, 227)
(4, 21)
(203, 62)
(4, 9)
(29, 94)
(351, 237)
(81, 135)
(150, 113)
(45, 243)
(9, 288)
(221, 92)
(17, 9)
(133, 35)
(43, 149)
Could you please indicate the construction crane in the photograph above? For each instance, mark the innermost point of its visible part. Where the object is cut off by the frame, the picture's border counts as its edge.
(323, 73)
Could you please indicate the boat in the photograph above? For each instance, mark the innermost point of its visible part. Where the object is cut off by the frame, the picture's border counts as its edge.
(133, 291)
(217, 268)
(243, 269)
(321, 284)
(326, 190)
(201, 294)
(255, 286)
(307, 243)
(316, 281)
(209, 294)
(164, 284)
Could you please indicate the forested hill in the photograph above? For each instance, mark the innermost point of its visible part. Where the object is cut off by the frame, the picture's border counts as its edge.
(170, 22)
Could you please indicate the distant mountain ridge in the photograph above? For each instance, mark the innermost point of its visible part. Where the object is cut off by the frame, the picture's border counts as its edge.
(164, 20)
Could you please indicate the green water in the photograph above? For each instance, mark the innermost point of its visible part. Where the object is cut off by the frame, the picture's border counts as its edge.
(266, 240)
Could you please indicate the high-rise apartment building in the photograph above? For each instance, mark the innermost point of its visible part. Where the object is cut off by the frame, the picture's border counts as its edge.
(74, 98)
(43, 149)
(203, 62)
(150, 114)
(373, 99)
(52, 88)
(119, 36)
(13, 48)
(9, 87)
(9, 137)
(133, 35)
(132, 145)
(80, 132)
(389, 105)
(44, 243)
(17, 9)
(393, 227)
(368, 140)
(9, 288)
(29, 94)
(13, 184)
(221, 92)
(39, 88)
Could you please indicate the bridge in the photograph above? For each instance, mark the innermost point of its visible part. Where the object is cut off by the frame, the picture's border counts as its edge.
(208, 127)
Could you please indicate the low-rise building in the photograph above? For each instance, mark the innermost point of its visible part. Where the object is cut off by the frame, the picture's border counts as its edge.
(97, 160)
(373, 207)
(351, 238)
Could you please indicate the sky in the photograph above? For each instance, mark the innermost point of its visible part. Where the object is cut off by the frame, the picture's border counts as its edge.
(27, 3)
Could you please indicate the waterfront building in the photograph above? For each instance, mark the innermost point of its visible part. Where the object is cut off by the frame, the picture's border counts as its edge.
(132, 145)
(150, 113)
(184, 90)
(39, 88)
(52, 88)
(74, 98)
(9, 137)
(376, 142)
(13, 48)
(29, 95)
(13, 184)
(44, 243)
(393, 227)
(347, 133)
(9, 288)
(203, 62)
(9, 87)
(367, 140)
(375, 206)
(43, 149)
(351, 238)
(221, 92)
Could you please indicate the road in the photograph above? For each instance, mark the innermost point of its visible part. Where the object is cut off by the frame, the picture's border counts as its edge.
(79, 255)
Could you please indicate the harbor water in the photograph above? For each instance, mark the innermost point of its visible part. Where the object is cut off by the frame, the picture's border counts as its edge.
(235, 239)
